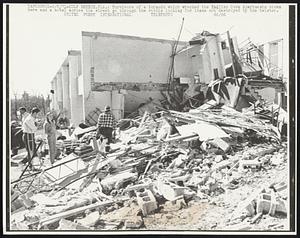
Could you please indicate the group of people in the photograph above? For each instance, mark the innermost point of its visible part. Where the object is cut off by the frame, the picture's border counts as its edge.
(30, 127)
(105, 130)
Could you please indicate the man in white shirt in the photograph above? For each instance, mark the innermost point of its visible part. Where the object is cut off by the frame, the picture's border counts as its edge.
(23, 113)
(29, 128)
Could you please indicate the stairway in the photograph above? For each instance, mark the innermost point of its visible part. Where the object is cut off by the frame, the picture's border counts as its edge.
(251, 87)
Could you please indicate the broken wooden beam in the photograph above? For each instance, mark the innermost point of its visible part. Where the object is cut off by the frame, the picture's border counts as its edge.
(57, 217)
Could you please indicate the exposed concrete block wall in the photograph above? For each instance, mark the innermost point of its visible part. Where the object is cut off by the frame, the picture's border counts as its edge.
(114, 99)
(133, 99)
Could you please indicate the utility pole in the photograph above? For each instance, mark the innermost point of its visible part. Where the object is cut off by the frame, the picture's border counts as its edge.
(231, 53)
(171, 71)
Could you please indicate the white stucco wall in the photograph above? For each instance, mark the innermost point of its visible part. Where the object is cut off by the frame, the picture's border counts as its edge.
(59, 90)
(76, 101)
(183, 62)
(118, 58)
(214, 55)
(66, 90)
(201, 60)
(227, 57)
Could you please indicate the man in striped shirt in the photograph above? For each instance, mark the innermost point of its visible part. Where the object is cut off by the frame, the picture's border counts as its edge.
(106, 125)
(29, 128)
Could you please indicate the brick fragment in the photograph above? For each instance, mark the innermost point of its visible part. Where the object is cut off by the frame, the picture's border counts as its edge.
(146, 201)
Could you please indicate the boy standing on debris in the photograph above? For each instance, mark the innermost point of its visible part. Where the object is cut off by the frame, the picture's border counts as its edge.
(106, 125)
(29, 128)
(50, 130)
(63, 121)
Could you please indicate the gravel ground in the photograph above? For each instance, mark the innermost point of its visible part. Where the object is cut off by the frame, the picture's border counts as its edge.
(216, 213)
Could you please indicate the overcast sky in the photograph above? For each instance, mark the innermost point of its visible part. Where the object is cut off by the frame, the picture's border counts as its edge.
(39, 41)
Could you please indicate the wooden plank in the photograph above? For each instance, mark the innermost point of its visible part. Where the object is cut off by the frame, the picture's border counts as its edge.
(57, 217)
(254, 219)
(89, 179)
(143, 119)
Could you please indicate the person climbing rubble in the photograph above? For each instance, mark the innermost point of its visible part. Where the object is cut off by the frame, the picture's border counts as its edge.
(106, 127)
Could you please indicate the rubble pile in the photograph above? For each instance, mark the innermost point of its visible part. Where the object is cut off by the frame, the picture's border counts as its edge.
(163, 163)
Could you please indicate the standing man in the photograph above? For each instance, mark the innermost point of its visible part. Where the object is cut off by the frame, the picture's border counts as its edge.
(106, 125)
(23, 113)
(29, 128)
(50, 130)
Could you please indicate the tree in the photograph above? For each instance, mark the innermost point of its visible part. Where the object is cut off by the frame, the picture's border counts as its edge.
(29, 101)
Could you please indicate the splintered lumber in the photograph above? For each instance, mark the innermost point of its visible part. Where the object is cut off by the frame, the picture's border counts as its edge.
(57, 217)
(98, 167)
(95, 144)
(143, 119)
(50, 168)
(233, 119)
(88, 180)
(257, 217)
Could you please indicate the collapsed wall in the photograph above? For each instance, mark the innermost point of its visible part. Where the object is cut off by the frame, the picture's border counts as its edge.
(123, 70)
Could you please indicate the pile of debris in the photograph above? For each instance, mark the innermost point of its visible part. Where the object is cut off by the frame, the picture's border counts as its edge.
(163, 159)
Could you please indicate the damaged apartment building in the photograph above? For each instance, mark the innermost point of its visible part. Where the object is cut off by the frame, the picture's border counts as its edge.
(206, 138)
(129, 73)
